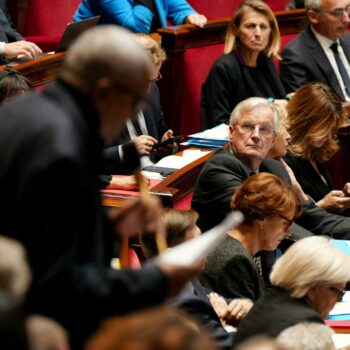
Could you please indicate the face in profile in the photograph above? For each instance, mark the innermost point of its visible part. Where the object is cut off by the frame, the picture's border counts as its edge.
(280, 146)
(323, 298)
(254, 31)
(320, 141)
(274, 229)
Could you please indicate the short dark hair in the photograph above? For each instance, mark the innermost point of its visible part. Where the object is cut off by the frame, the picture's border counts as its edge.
(13, 83)
(176, 223)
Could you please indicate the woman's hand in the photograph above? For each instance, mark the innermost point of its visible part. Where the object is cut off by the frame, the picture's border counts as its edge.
(196, 19)
(230, 313)
(334, 200)
(237, 309)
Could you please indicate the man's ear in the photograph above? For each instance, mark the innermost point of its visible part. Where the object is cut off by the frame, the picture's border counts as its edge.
(313, 16)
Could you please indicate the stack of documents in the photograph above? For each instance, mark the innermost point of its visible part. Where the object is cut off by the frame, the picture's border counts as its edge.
(212, 138)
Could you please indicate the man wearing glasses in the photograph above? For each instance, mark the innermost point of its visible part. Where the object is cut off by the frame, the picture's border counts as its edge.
(253, 124)
(322, 51)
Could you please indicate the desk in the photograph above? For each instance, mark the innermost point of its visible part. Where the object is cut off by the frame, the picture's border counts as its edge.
(172, 188)
(40, 70)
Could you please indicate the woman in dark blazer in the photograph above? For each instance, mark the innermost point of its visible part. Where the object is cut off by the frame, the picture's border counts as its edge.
(315, 114)
(307, 281)
(246, 69)
(231, 270)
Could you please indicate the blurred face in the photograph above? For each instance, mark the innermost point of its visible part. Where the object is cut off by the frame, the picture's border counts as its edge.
(254, 31)
(155, 76)
(280, 146)
(253, 135)
(192, 232)
(115, 104)
(332, 19)
(323, 298)
(273, 230)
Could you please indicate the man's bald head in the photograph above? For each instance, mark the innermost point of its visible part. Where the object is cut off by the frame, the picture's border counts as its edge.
(107, 51)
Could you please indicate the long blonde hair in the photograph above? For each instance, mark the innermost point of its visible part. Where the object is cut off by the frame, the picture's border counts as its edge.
(231, 41)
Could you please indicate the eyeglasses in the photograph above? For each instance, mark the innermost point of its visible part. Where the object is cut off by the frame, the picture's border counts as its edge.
(159, 76)
(264, 130)
(339, 292)
(288, 221)
(336, 12)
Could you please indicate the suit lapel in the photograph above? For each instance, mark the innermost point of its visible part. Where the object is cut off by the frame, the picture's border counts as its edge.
(322, 61)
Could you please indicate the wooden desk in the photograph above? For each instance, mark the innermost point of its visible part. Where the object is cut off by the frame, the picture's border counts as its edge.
(171, 189)
(40, 70)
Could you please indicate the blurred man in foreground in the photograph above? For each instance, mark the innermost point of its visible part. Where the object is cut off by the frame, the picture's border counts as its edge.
(50, 147)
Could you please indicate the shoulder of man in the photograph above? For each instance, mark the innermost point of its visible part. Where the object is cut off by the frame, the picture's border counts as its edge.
(274, 167)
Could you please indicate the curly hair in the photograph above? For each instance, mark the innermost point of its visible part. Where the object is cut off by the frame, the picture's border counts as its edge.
(265, 195)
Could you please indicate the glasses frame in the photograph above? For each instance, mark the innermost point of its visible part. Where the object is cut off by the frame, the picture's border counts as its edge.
(249, 128)
(336, 12)
(290, 222)
(339, 292)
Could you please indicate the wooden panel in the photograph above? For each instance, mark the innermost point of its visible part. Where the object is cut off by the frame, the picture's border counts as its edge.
(40, 70)
(176, 39)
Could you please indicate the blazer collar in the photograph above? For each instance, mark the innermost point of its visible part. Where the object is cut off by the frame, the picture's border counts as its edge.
(322, 60)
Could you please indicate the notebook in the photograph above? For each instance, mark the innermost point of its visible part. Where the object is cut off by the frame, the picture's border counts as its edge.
(72, 31)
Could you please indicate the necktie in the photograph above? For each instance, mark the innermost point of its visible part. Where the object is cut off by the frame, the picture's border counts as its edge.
(344, 74)
(137, 128)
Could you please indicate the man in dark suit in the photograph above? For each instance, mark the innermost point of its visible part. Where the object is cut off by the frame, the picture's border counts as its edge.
(50, 149)
(148, 128)
(153, 128)
(252, 133)
(12, 43)
(322, 51)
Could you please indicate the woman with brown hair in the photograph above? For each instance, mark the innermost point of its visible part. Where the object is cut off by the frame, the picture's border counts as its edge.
(315, 114)
(269, 207)
(246, 69)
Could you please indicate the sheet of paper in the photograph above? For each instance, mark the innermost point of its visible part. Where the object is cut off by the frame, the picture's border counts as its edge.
(219, 132)
(197, 249)
(178, 162)
(341, 340)
(341, 308)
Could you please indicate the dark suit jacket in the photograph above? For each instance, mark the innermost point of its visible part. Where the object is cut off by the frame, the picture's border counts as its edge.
(308, 178)
(230, 82)
(156, 126)
(7, 31)
(50, 201)
(197, 304)
(304, 61)
(274, 312)
(224, 172)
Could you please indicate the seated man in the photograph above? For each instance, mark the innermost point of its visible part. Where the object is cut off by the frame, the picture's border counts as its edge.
(148, 127)
(12, 44)
(322, 51)
(252, 133)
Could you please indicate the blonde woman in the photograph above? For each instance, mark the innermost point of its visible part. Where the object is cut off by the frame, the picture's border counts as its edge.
(246, 69)
(315, 114)
(307, 281)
